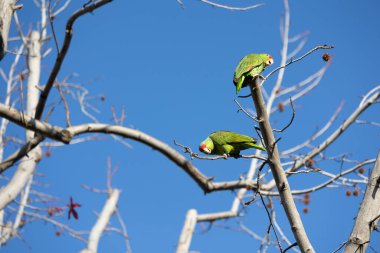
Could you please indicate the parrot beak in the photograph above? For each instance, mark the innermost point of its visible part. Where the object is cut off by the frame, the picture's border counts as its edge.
(204, 149)
(270, 61)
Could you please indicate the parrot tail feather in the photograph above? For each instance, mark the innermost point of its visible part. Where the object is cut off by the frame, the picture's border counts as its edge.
(239, 84)
(258, 147)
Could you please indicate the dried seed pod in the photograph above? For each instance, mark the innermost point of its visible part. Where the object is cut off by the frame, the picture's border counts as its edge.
(281, 107)
(326, 57)
(309, 163)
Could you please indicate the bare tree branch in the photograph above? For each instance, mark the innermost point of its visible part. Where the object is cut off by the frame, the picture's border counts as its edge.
(16, 156)
(369, 213)
(7, 7)
(204, 182)
(317, 134)
(7, 102)
(62, 53)
(24, 172)
(53, 132)
(298, 59)
(184, 240)
(102, 221)
(277, 170)
(229, 7)
(341, 129)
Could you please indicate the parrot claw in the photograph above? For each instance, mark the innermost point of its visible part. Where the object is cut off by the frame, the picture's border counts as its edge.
(225, 156)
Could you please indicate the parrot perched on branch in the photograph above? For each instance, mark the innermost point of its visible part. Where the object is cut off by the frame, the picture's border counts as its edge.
(227, 143)
(250, 66)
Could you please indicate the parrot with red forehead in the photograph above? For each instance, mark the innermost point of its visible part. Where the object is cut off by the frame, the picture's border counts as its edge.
(249, 67)
(227, 143)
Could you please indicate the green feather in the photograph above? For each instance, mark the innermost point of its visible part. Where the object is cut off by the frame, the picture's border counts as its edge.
(250, 66)
(239, 84)
(230, 143)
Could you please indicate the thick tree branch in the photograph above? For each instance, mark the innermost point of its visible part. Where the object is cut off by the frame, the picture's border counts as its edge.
(65, 136)
(187, 232)
(368, 215)
(103, 219)
(277, 170)
(7, 7)
(21, 119)
(24, 172)
(62, 53)
(16, 156)
(204, 182)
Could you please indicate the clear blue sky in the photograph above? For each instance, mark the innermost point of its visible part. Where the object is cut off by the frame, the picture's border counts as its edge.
(171, 69)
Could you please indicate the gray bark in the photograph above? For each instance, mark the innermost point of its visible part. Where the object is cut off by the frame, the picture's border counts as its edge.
(369, 214)
(187, 232)
(278, 173)
(6, 11)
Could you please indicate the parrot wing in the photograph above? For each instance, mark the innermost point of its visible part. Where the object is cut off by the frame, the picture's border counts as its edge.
(228, 137)
(238, 141)
(246, 64)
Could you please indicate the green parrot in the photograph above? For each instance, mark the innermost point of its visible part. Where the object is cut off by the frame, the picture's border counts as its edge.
(227, 143)
(250, 66)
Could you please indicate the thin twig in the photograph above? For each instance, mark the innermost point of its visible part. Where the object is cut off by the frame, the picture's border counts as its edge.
(15, 17)
(231, 7)
(291, 120)
(296, 60)
(52, 26)
(290, 246)
(246, 113)
(65, 104)
(317, 134)
(270, 221)
(257, 183)
(340, 246)
(124, 231)
(62, 53)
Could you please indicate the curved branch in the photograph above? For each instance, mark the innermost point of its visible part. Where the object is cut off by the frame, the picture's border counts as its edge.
(62, 53)
(231, 7)
(21, 119)
(296, 60)
(204, 182)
